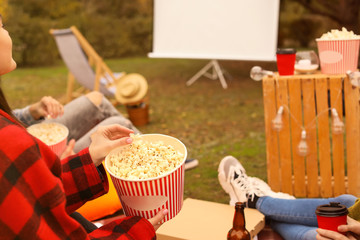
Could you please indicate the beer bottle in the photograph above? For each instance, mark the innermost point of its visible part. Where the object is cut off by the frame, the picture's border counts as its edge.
(238, 231)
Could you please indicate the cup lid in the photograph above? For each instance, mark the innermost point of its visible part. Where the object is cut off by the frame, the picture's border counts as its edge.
(285, 51)
(333, 209)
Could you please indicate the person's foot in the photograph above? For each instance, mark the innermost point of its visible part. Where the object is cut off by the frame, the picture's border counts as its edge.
(234, 180)
(244, 185)
(265, 188)
(191, 163)
(226, 174)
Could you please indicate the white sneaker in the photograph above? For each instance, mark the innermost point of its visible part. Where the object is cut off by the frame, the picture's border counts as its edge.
(228, 161)
(225, 175)
(260, 184)
(241, 184)
(266, 190)
(234, 180)
(245, 186)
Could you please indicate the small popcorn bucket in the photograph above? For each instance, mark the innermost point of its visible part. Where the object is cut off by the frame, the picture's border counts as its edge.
(147, 197)
(59, 146)
(338, 56)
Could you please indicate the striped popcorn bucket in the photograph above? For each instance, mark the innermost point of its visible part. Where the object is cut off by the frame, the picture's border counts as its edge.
(147, 197)
(58, 147)
(338, 56)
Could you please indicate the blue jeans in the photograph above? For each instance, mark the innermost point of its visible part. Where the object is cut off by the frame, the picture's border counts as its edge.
(296, 219)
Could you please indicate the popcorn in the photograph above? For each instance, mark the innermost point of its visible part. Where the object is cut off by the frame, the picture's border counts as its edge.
(336, 34)
(49, 133)
(143, 159)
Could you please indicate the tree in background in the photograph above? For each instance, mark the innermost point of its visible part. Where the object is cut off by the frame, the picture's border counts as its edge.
(29, 23)
(344, 12)
(302, 21)
(114, 28)
(297, 26)
(119, 28)
(3, 7)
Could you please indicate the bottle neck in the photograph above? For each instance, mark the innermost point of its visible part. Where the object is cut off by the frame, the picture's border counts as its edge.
(239, 218)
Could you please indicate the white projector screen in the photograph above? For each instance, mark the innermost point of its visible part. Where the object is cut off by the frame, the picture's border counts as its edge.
(216, 29)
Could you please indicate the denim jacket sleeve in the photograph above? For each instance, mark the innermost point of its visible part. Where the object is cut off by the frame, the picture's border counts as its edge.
(24, 115)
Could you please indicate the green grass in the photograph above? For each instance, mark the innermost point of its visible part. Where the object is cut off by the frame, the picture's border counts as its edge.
(211, 121)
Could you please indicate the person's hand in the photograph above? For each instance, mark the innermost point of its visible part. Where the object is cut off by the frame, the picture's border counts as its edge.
(46, 107)
(157, 220)
(352, 230)
(105, 139)
(69, 150)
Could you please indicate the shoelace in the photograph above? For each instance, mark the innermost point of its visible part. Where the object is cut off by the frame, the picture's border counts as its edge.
(253, 185)
(246, 184)
(249, 185)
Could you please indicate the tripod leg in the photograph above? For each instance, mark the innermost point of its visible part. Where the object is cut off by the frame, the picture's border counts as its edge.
(220, 74)
(199, 74)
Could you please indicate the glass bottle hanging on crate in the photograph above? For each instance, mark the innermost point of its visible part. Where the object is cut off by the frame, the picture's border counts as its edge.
(337, 124)
(277, 123)
(257, 73)
(303, 148)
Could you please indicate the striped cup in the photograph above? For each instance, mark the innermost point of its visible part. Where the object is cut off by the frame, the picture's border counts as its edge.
(147, 197)
(338, 56)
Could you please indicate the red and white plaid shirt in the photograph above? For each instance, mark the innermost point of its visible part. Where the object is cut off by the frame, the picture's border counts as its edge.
(38, 191)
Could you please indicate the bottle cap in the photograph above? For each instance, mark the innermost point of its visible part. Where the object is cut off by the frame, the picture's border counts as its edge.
(333, 209)
(285, 51)
(240, 205)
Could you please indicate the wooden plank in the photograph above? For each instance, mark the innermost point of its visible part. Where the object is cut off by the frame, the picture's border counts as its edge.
(272, 148)
(284, 137)
(309, 108)
(296, 126)
(336, 101)
(314, 75)
(351, 95)
(322, 108)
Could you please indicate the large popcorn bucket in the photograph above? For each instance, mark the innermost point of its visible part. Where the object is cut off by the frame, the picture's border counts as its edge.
(338, 56)
(59, 146)
(147, 197)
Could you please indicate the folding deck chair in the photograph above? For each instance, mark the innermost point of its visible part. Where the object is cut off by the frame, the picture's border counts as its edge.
(84, 64)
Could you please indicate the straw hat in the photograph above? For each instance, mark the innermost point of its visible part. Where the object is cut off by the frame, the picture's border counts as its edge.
(131, 88)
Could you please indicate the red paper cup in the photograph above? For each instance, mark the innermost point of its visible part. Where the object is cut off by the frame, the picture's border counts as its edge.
(147, 197)
(330, 216)
(285, 60)
(338, 56)
(59, 146)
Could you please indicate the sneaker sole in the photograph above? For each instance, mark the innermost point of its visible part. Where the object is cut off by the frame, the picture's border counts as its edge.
(191, 164)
